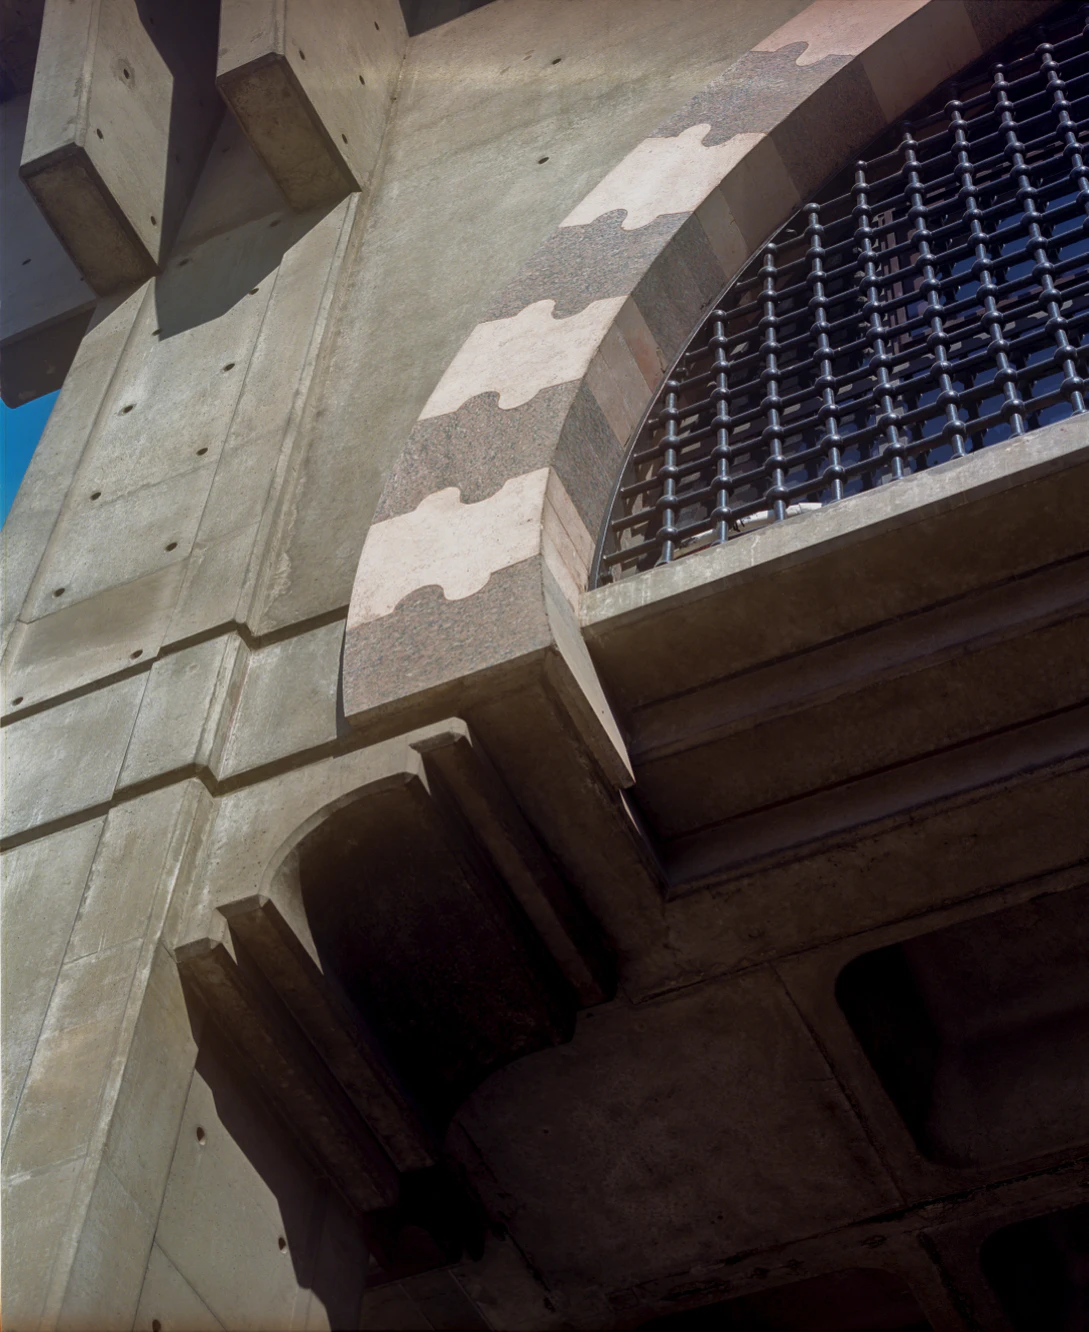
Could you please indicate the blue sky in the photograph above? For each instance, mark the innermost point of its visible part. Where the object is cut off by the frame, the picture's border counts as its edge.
(20, 430)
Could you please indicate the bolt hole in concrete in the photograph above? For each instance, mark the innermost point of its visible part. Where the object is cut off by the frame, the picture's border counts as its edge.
(127, 73)
(201, 1135)
(16, 701)
(275, 222)
(96, 494)
(228, 366)
(302, 55)
(557, 60)
(127, 408)
(99, 133)
(138, 653)
(377, 28)
(183, 262)
(58, 591)
(154, 220)
(254, 291)
(25, 262)
(171, 545)
(282, 1243)
(155, 332)
(362, 80)
(201, 452)
(344, 138)
(541, 161)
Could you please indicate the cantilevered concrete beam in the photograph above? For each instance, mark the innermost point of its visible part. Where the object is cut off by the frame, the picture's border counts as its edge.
(121, 116)
(44, 303)
(311, 82)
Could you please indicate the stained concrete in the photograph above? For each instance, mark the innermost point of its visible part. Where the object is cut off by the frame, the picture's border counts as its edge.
(714, 1131)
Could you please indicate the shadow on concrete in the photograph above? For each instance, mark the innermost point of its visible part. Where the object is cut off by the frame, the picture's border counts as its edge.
(422, 15)
(315, 1223)
(186, 38)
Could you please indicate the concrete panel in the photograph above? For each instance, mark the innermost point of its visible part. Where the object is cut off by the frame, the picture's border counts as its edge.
(34, 513)
(169, 1301)
(253, 491)
(139, 492)
(42, 884)
(121, 115)
(158, 1070)
(108, 1269)
(734, 1136)
(141, 844)
(181, 711)
(97, 637)
(44, 302)
(69, 757)
(311, 85)
(287, 701)
(60, 1105)
(36, 1214)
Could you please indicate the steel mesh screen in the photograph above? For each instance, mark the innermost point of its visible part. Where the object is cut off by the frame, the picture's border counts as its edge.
(932, 300)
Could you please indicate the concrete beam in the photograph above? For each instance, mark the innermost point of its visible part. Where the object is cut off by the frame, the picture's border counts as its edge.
(311, 83)
(292, 1079)
(121, 116)
(44, 303)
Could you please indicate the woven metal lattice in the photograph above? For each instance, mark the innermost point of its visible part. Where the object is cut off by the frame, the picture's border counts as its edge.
(932, 300)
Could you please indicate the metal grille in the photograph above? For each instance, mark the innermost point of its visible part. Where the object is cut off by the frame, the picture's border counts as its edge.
(933, 300)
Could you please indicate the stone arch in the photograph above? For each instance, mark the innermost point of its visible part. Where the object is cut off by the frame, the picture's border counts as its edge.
(483, 538)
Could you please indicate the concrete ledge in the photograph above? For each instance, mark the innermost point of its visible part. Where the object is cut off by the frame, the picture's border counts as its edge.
(969, 524)
(912, 499)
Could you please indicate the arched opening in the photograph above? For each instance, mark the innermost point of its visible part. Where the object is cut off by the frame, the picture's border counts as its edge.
(931, 300)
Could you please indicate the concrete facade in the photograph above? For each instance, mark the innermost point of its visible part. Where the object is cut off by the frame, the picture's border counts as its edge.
(398, 934)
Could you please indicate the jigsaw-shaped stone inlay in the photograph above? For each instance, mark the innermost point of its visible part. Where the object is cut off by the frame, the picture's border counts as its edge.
(661, 176)
(520, 356)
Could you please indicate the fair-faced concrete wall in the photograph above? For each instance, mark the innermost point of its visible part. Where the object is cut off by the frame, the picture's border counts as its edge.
(43, 298)
(201, 496)
(213, 461)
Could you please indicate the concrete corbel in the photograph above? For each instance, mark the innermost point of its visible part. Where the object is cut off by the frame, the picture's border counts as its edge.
(311, 83)
(121, 116)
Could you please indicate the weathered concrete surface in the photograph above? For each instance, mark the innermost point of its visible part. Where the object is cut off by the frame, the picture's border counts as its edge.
(121, 115)
(113, 1044)
(270, 375)
(311, 85)
(44, 302)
